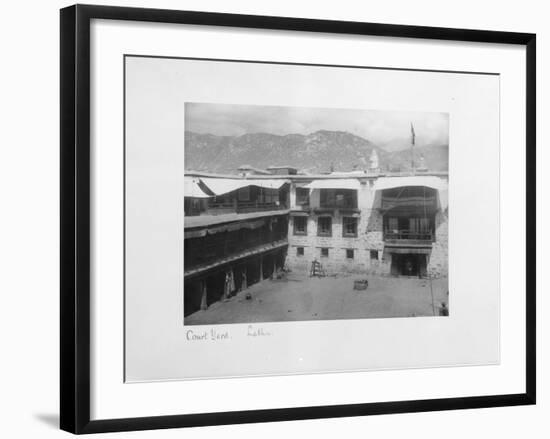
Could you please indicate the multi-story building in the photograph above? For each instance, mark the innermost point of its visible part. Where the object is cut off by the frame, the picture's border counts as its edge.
(394, 225)
(235, 234)
(240, 230)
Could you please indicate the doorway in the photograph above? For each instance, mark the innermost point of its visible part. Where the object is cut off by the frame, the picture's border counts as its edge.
(413, 265)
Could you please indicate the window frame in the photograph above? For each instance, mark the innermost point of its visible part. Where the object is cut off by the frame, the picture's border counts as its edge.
(345, 234)
(243, 193)
(300, 202)
(295, 231)
(319, 229)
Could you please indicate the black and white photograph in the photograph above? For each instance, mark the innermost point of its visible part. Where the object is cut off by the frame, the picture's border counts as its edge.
(276, 203)
(272, 218)
(296, 214)
(275, 219)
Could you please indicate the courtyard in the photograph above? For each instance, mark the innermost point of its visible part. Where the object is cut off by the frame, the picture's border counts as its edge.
(298, 297)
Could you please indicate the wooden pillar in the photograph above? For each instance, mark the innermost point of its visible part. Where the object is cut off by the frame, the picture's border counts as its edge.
(274, 274)
(261, 268)
(229, 283)
(244, 283)
(204, 301)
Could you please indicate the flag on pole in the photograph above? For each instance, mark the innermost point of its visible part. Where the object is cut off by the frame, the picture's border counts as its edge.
(413, 135)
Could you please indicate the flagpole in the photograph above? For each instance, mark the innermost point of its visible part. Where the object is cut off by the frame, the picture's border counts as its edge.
(412, 149)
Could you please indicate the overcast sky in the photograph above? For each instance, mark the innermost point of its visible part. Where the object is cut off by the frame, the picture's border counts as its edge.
(381, 127)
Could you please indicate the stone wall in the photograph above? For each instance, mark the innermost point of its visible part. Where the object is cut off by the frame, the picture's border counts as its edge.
(374, 240)
(438, 264)
(337, 261)
(369, 238)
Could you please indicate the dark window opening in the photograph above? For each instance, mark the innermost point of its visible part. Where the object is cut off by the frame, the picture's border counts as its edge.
(324, 252)
(350, 253)
(338, 198)
(413, 226)
(324, 226)
(299, 251)
(268, 196)
(349, 226)
(243, 194)
(302, 196)
(374, 254)
(300, 225)
(193, 206)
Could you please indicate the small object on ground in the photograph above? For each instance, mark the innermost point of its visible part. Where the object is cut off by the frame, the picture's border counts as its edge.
(248, 296)
(317, 269)
(443, 310)
(360, 284)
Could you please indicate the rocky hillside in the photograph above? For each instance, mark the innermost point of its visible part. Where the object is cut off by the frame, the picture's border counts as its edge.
(320, 151)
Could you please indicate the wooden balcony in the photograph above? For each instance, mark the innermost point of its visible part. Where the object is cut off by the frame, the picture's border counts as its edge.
(220, 208)
(331, 210)
(338, 205)
(408, 237)
(255, 206)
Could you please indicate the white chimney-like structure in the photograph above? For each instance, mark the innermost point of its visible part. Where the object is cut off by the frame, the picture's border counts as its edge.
(374, 165)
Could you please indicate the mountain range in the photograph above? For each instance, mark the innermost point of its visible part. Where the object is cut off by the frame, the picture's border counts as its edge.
(318, 152)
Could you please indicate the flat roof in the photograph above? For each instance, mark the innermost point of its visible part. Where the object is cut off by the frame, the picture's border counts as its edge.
(318, 176)
(282, 167)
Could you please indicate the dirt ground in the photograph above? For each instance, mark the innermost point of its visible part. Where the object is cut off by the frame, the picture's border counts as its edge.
(298, 297)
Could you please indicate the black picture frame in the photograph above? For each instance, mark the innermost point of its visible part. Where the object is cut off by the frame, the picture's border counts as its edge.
(75, 217)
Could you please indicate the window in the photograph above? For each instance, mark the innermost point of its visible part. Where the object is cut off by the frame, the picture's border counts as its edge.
(420, 228)
(324, 252)
(341, 198)
(324, 226)
(299, 251)
(193, 206)
(243, 194)
(300, 225)
(409, 227)
(374, 255)
(327, 198)
(349, 226)
(268, 196)
(302, 196)
(350, 253)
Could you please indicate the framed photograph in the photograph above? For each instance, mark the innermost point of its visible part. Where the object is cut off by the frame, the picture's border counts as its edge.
(268, 218)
